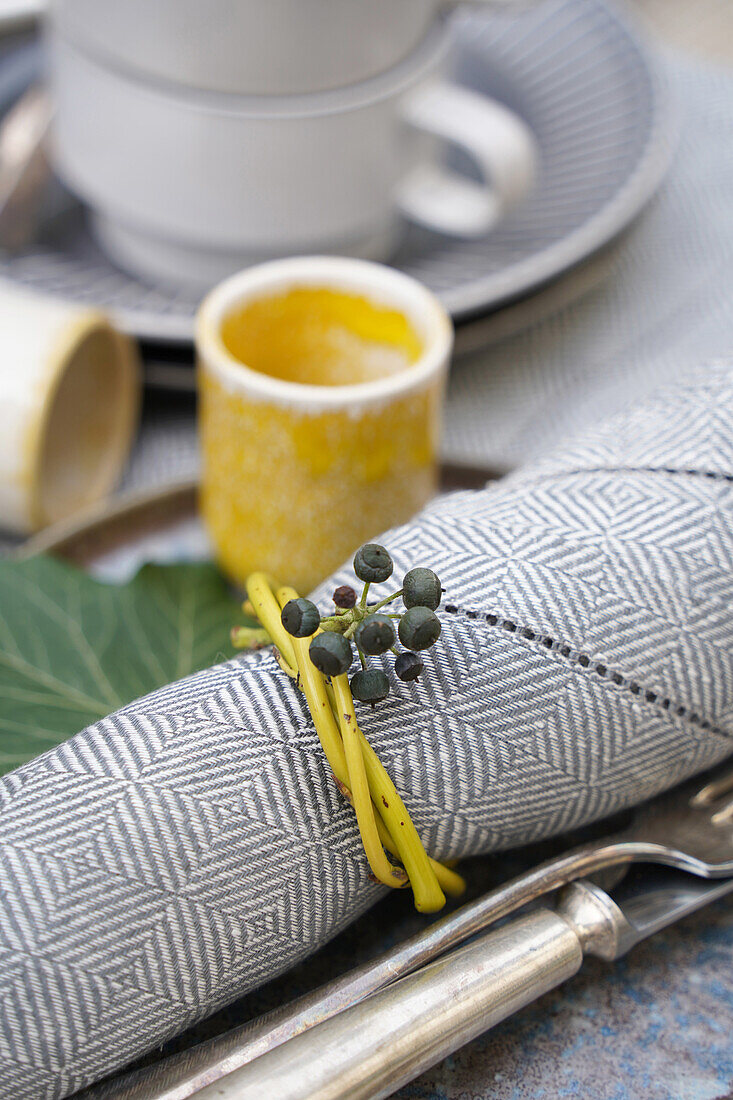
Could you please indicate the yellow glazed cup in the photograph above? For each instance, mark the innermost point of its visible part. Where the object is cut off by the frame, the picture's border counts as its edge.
(296, 476)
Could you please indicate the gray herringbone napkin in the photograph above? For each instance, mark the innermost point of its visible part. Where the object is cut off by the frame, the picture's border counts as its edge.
(192, 845)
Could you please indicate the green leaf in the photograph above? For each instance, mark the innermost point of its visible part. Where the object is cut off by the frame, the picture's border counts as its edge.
(72, 649)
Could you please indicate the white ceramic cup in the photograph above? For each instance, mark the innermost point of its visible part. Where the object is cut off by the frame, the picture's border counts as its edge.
(189, 186)
(69, 398)
(250, 46)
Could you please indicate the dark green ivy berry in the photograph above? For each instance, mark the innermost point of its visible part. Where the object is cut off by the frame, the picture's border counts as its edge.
(373, 563)
(375, 635)
(300, 618)
(369, 685)
(408, 666)
(330, 653)
(421, 588)
(419, 628)
(344, 596)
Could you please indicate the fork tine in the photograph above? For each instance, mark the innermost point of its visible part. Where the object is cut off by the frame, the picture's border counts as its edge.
(723, 816)
(711, 792)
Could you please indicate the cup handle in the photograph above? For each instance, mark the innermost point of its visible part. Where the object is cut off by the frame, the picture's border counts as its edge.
(499, 143)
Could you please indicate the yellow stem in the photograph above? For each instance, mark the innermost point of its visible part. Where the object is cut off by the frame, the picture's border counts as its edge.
(250, 637)
(355, 774)
(331, 742)
(381, 785)
(358, 781)
(450, 882)
(259, 590)
(428, 895)
(316, 694)
(325, 713)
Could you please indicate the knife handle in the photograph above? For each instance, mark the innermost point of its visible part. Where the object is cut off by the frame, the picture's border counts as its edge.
(372, 1049)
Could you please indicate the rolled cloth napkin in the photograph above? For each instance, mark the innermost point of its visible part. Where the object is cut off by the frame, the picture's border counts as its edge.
(193, 845)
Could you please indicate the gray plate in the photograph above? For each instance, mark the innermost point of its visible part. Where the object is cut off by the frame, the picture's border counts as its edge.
(580, 77)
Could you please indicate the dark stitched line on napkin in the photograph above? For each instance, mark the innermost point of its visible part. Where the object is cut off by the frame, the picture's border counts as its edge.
(571, 654)
(711, 475)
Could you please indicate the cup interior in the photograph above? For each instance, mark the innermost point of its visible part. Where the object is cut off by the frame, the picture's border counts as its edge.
(87, 424)
(377, 316)
(317, 335)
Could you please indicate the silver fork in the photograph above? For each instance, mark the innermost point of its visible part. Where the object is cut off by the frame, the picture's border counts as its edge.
(690, 828)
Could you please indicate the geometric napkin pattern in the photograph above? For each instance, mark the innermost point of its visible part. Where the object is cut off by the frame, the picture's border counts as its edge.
(194, 844)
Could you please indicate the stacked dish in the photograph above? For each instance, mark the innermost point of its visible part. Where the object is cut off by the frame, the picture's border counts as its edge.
(232, 131)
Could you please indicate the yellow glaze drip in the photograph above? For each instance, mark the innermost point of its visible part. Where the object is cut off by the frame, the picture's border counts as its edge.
(295, 494)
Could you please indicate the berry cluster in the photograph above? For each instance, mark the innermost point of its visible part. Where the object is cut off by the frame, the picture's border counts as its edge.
(316, 654)
(371, 629)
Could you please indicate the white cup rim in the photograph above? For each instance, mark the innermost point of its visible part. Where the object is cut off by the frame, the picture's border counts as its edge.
(380, 284)
(383, 85)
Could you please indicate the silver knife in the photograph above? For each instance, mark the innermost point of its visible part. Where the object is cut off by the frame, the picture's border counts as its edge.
(372, 1049)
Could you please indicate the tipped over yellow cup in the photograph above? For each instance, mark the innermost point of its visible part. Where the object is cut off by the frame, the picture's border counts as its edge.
(321, 384)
